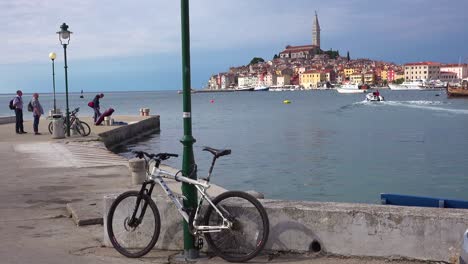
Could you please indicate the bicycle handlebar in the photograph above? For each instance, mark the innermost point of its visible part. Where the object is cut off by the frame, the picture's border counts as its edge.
(159, 156)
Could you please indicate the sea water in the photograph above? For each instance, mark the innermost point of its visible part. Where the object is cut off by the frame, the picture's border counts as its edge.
(323, 146)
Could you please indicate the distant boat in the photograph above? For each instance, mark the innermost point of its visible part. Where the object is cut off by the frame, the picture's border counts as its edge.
(458, 91)
(261, 88)
(243, 89)
(409, 85)
(81, 96)
(349, 88)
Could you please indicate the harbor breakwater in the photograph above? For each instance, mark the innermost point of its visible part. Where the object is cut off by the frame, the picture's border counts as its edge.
(344, 229)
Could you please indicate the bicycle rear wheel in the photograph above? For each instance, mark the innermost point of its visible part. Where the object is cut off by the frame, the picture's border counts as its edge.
(136, 241)
(83, 128)
(250, 229)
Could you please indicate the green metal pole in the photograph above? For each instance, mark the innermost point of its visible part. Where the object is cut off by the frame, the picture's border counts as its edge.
(66, 89)
(188, 159)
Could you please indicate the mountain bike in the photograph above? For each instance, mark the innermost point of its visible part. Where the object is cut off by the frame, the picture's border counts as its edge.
(75, 124)
(235, 224)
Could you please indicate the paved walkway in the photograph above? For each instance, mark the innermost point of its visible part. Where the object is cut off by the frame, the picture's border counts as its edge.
(39, 177)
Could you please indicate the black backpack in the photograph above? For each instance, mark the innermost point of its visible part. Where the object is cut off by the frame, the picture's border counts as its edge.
(30, 107)
(12, 107)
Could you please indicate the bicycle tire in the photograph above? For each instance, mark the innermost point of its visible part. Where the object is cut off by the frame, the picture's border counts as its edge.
(83, 128)
(244, 226)
(133, 243)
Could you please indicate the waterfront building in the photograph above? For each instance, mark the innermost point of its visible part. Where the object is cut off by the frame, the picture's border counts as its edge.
(461, 70)
(310, 79)
(422, 71)
(283, 80)
(213, 82)
(227, 81)
(247, 81)
(270, 79)
(399, 75)
(369, 78)
(316, 32)
(447, 76)
(330, 75)
(356, 78)
(348, 71)
(390, 76)
(383, 75)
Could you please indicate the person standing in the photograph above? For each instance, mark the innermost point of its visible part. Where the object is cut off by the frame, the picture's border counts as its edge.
(18, 104)
(37, 112)
(96, 107)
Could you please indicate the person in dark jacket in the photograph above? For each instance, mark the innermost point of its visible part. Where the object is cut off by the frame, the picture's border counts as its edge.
(18, 104)
(96, 107)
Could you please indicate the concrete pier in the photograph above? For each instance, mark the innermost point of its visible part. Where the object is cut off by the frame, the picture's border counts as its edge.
(51, 210)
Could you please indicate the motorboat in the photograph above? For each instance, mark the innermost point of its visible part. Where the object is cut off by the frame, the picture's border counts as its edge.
(261, 88)
(241, 89)
(373, 97)
(408, 85)
(349, 91)
(350, 88)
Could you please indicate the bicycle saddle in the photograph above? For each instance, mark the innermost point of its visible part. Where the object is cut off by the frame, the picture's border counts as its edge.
(217, 152)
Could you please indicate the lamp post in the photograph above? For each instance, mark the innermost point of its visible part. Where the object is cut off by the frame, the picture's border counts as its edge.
(64, 37)
(188, 159)
(52, 56)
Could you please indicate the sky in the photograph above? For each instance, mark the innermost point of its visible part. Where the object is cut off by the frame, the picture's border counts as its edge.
(136, 45)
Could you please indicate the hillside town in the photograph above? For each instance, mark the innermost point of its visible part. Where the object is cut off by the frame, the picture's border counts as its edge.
(309, 67)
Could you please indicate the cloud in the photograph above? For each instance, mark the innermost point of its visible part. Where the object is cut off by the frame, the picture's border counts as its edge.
(126, 28)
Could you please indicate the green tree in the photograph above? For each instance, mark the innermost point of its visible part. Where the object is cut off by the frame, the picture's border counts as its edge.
(347, 56)
(275, 57)
(256, 60)
(399, 81)
(332, 54)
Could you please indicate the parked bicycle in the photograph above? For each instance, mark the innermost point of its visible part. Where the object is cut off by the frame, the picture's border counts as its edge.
(75, 124)
(235, 224)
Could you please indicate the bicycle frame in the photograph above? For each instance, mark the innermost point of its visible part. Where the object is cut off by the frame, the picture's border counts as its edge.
(158, 175)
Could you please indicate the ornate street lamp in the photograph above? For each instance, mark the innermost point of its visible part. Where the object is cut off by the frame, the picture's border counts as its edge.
(52, 56)
(64, 37)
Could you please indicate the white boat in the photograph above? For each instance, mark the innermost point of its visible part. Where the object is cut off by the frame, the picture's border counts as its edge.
(372, 97)
(350, 88)
(409, 85)
(240, 89)
(261, 88)
(350, 91)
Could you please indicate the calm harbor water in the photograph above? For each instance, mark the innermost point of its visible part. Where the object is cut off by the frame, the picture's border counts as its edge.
(324, 146)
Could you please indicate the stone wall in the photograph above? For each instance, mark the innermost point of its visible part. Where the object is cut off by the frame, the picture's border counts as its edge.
(344, 229)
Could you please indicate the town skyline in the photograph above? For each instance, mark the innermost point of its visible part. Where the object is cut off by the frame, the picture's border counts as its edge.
(116, 50)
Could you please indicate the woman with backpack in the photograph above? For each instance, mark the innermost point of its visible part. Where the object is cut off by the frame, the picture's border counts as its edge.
(37, 112)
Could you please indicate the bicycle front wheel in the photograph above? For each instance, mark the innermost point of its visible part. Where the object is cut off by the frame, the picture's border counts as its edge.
(249, 231)
(133, 240)
(83, 128)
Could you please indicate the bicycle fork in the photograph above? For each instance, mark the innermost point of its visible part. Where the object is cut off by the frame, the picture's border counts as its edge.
(146, 189)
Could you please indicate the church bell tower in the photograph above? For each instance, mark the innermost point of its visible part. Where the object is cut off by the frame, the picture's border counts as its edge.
(316, 32)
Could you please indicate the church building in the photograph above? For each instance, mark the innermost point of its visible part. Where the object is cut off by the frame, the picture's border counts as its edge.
(305, 51)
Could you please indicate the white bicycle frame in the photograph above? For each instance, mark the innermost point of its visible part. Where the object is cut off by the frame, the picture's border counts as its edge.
(158, 174)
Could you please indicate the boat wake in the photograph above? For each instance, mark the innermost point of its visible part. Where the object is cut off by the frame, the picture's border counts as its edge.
(425, 105)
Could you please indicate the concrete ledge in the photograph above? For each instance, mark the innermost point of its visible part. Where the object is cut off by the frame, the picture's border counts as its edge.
(345, 229)
(7, 119)
(128, 132)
